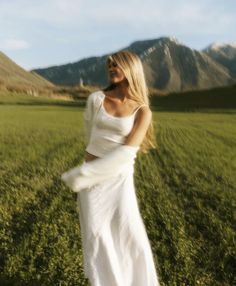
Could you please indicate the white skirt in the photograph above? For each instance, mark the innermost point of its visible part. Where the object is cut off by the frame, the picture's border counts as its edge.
(116, 249)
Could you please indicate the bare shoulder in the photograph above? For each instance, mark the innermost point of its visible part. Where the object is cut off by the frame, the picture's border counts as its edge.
(140, 127)
(145, 109)
(144, 114)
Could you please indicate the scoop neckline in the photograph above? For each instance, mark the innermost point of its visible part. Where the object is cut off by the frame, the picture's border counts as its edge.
(118, 117)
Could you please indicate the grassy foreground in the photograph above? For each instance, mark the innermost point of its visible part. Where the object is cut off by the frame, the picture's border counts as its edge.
(185, 189)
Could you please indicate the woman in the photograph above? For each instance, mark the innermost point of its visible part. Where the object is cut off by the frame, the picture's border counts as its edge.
(116, 249)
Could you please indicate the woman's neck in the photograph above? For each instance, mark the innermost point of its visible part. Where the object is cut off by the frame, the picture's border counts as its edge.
(121, 91)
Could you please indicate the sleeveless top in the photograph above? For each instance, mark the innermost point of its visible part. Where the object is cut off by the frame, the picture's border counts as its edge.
(108, 131)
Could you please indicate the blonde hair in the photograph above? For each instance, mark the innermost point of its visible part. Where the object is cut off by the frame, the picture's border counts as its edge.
(132, 68)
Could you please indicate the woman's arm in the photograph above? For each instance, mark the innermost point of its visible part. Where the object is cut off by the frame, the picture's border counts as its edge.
(141, 124)
(101, 169)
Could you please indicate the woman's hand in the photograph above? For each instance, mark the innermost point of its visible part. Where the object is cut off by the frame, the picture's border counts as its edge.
(89, 157)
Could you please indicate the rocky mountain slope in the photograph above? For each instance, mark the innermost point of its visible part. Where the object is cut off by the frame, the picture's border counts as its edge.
(224, 54)
(169, 65)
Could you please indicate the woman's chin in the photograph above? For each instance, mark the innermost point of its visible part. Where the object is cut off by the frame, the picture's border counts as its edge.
(115, 81)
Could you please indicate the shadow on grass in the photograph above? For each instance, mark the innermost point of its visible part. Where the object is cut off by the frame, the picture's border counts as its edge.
(17, 281)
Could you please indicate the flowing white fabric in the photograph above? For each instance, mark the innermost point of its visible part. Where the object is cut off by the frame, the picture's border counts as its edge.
(116, 249)
(92, 106)
(101, 169)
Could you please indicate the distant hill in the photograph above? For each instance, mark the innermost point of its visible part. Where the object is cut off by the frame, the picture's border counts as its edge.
(13, 76)
(169, 66)
(224, 54)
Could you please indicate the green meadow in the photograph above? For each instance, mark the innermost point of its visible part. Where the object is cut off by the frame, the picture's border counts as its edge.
(185, 190)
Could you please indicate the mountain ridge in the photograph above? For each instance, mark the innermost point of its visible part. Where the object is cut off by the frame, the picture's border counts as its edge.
(223, 54)
(169, 65)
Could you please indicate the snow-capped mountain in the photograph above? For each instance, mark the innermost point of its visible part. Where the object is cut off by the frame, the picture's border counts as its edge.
(169, 65)
(224, 54)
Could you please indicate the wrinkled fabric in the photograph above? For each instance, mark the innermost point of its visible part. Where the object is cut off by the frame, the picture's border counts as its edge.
(116, 249)
(92, 106)
(96, 171)
(107, 131)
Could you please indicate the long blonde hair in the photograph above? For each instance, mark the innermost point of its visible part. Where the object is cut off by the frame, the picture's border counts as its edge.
(132, 68)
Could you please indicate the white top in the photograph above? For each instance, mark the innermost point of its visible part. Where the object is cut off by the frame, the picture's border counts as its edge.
(108, 131)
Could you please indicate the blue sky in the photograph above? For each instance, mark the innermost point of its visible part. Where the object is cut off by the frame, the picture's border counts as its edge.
(44, 33)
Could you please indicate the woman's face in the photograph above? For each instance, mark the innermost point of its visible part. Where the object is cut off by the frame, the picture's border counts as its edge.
(115, 74)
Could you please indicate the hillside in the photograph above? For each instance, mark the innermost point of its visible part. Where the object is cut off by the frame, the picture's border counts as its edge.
(14, 76)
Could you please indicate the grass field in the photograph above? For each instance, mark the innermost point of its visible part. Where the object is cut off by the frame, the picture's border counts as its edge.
(185, 189)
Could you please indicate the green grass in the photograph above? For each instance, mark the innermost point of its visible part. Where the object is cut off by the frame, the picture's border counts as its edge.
(9, 98)
(185, 189)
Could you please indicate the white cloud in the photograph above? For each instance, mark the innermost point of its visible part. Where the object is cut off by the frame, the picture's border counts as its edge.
(51, 11)
(14, 44)
(202, 16)
(60, 30)
(190, 16)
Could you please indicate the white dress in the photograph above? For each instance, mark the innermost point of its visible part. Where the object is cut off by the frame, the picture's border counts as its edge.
(116, 249)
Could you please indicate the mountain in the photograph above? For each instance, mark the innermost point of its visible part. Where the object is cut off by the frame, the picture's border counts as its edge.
(224, 54)
(168, 64)
(172, 66)
(13, 76)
